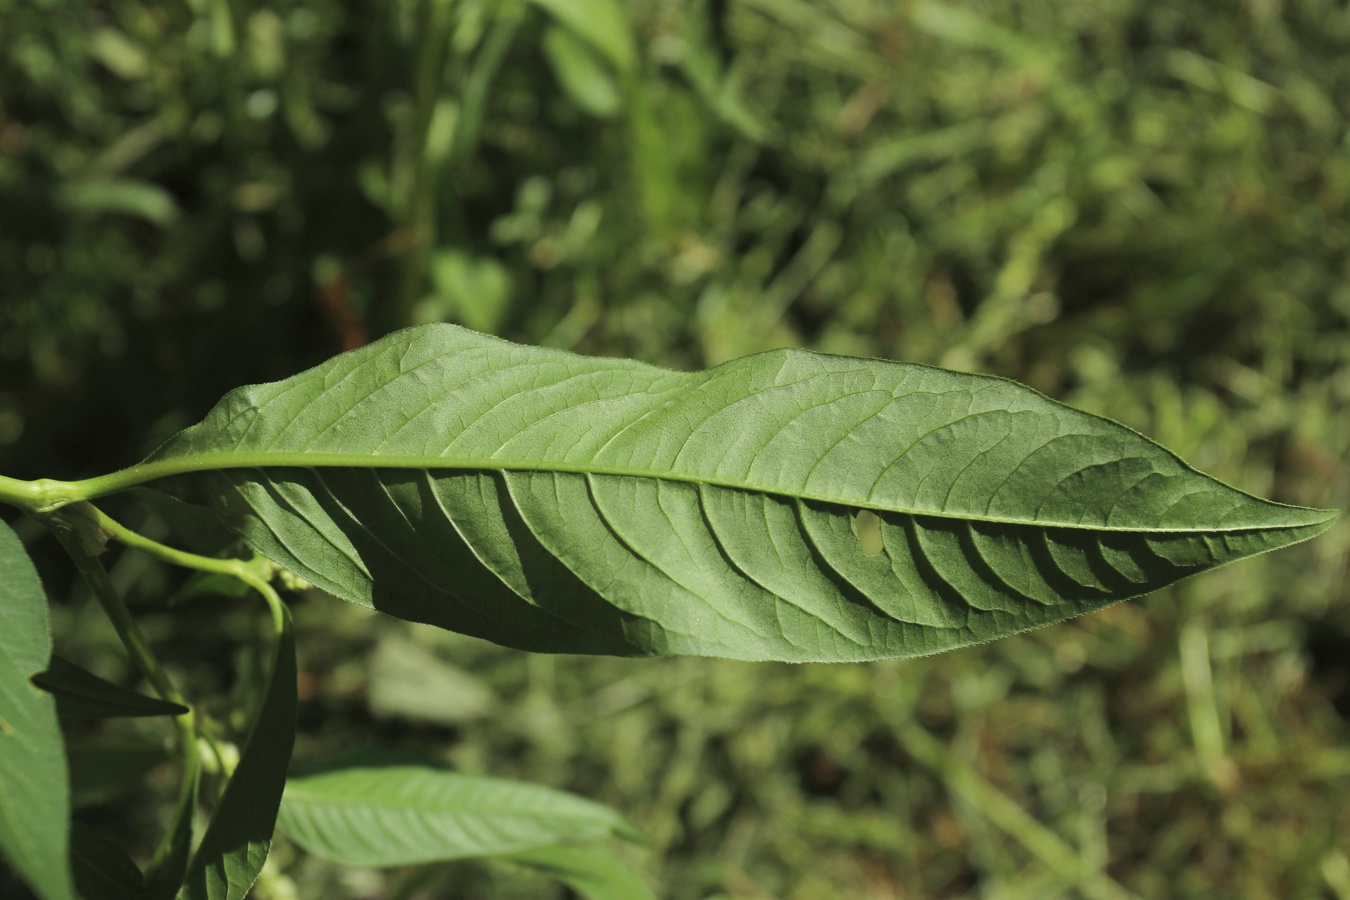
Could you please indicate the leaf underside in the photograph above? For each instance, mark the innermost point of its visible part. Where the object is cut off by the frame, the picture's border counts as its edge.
(555, 502)
(401, 815)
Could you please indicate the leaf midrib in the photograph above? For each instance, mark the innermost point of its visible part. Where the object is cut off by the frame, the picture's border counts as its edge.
(210, 462)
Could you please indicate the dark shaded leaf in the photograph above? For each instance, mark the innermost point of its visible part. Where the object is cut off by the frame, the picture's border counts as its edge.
(103, 871)
(82, 694)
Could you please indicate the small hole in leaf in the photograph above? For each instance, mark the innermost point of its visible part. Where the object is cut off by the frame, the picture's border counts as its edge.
(867, 525)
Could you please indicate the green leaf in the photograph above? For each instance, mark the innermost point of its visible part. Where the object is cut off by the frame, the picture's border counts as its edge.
(408, 681)
(405, 815)
(127, 196)
(80, 693)
(34, 791)
(581, 73)
(593, 872)
(601, 23)
(237, 841)
(103, 871)
(549, 501)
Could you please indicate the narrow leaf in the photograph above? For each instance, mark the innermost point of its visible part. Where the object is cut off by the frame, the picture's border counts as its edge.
(406, 815)
(591, 871)
(103, 871)
(549, 501)
(237, 841)
(34, 790)
(80, 693)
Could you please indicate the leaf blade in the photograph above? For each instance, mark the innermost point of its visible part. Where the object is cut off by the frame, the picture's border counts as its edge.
(448, 477)
(408, 815)
(32, 752)
(82, 694)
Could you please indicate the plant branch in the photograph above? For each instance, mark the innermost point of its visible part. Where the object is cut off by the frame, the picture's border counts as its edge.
(23, 494)
(255, 573)
(77, 529)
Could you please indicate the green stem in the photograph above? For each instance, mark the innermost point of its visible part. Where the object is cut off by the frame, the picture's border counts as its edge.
(77, 529)
(82, 523)
(255, 573)
(23, 494)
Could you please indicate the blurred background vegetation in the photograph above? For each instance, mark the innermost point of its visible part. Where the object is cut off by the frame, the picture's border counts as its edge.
(1138, 208)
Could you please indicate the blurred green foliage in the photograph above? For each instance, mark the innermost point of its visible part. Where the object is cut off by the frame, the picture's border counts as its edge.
(1138, 208)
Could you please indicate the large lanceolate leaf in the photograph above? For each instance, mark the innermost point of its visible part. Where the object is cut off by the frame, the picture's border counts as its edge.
(34, 790)
(555, 502)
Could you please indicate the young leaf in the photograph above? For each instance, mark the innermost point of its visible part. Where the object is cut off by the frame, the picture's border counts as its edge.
(34, 791)
(237, 841)
(405, 815)
(80, 693)
(549, 501)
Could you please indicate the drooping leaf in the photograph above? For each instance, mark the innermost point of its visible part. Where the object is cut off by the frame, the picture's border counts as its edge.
(406, 815)
(80, 693)
(592, 871)
(237, 841)
(549, 501)
(34, 791)
(103, 871)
